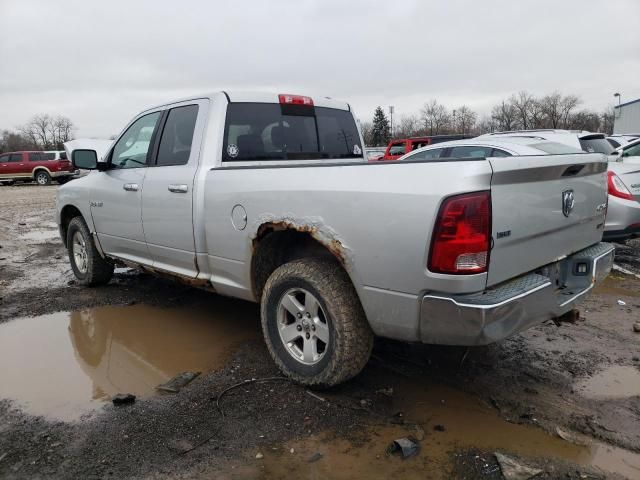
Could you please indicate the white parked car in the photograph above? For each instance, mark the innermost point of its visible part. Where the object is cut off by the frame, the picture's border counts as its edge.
(623, 213)
(618, 140)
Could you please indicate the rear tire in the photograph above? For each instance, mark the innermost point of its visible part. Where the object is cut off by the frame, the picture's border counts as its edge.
(89, 268)
(42, 178)
(330, 345)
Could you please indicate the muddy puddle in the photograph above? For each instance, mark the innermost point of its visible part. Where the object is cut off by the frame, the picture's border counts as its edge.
(68, 364)
(448, 421)
(615, 284)
(617, 381)
(40, 235)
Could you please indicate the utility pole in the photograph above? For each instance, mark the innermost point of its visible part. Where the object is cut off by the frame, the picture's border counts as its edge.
(619, 102)
(391, 115)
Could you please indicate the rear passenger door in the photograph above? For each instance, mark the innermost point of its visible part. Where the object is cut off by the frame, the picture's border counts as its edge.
(167, 198)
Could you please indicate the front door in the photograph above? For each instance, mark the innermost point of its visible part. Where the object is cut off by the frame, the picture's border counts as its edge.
(167, 199)
(116, 196)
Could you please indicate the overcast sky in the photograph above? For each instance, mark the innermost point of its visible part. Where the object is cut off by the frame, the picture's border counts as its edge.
(100, 63)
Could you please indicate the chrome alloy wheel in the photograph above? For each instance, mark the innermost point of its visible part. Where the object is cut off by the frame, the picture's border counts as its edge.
(303, 326)
(79, 248)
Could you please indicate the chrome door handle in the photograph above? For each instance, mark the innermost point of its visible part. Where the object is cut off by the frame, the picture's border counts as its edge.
(175, 188)
(131, 187)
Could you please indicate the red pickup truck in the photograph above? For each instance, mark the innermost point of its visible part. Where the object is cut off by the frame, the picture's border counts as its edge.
(397, 148)
(39, 166)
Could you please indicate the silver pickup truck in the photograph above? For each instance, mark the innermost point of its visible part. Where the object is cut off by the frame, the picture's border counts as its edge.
(268, 198)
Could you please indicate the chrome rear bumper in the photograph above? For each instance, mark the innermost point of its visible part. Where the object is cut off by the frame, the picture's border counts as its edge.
(506, 309)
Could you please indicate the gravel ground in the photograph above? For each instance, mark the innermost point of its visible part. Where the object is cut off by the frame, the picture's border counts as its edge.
(528, 387)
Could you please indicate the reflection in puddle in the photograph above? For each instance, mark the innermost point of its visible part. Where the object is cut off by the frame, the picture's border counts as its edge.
(467, 423)
(66, 364)
(614, 382)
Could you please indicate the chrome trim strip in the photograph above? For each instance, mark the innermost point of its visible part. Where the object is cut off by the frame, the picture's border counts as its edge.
(493, 305)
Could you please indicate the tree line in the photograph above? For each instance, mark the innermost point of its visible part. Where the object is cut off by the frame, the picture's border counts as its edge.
(42, 132)
(521, 111)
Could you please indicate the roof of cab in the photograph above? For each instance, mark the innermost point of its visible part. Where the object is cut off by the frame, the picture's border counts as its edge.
(257, 97)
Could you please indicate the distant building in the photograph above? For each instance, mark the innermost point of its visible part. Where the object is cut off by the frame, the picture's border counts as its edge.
(627, 117)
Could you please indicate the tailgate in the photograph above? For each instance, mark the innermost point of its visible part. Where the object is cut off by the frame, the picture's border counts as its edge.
(534, 221)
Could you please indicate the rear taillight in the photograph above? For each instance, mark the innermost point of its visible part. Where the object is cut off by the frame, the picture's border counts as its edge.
(462, 235)
(295, 100)
(617, 188)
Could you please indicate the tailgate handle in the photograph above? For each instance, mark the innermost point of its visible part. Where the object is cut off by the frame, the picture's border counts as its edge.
(573, 170)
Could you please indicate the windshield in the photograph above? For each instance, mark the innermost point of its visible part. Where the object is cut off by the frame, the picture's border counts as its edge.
(596, 145)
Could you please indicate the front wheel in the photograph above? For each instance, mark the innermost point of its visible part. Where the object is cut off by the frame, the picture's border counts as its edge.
(313, 323)
(42, 178)
(88, 266)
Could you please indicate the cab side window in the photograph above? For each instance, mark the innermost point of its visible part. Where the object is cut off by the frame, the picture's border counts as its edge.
(470, 152)
(132, 149)
(4, 158)
(15, 157)
(177, 136)
(432, 154)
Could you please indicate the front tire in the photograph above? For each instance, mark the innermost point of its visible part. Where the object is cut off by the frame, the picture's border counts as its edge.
(89, 268)
(313, 323)
(42, 178)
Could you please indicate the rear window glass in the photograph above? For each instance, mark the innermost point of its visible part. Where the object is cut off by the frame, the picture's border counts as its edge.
(37, 156)
(267, 131)
(596, 145)
(63, 155)
(49, 156)
(555, 148)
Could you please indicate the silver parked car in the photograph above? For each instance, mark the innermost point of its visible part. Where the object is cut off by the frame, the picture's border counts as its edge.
(618, 140)
(623, 213)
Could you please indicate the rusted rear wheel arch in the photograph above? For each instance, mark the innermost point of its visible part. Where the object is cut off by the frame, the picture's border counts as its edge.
(277, 243)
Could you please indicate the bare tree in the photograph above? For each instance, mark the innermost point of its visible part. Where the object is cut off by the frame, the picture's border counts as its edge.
(552, 109)
(487, 124)
(408, 126)
(537, 117)
(435, 117)
(367, 133)
(47, 132)
(504, 116)
(607, 121)
(568, 104)
(464, 119)
(523, 102)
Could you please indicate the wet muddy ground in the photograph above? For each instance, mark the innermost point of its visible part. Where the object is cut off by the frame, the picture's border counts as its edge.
(564, 399)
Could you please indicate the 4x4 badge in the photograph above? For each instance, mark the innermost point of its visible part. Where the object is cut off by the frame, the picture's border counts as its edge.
(568, 202)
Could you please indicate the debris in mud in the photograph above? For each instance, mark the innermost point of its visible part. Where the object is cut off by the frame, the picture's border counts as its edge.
(406, 447)
(315, 457)
(180, 445)
(570, 437)
(513, 470)
(622, 303)
(178, 382)
(123, 399)
(439, 428)
(636, 327)
(259, 456)
(387, 392)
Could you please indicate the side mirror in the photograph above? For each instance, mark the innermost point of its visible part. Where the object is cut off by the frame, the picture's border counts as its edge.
(85, 159)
